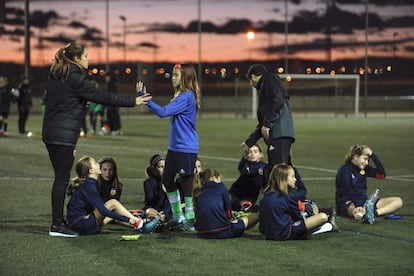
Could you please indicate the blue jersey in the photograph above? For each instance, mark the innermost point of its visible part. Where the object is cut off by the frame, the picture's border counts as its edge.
(212, 208)
(85, 200)
(351, 183)
(299, 192)
(156, 197)
(108, 192)
(253, 177)
(183, 112)
(278, 213)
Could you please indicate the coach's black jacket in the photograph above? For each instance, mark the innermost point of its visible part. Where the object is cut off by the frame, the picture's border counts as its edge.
(66, 102)
(273, 110)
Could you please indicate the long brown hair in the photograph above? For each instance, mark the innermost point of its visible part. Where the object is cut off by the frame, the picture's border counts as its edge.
(188, 81)
(64, 57)
(201, 178)
(116, 182)
(82, 170)
(278, 179)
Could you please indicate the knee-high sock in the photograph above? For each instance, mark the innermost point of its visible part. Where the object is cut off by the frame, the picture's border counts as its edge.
(175, 202)
(189, 212)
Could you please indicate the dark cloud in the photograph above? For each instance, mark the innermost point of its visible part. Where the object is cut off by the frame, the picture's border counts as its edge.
(13, 32)
(385, 45)
(379, 2)
(148, 45)
(94, 36)
(409, 48)
(60, 38)
(77, 25)
(42, 19)
(14, 16)
(334, 20)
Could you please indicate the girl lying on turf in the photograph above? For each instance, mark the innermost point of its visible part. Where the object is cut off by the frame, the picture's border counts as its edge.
(86, 211)
(280, 218)
(213, 210)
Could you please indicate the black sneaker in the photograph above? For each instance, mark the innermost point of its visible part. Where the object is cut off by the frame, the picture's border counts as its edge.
(62, 231)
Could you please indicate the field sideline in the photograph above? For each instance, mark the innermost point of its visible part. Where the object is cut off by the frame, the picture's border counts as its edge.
(385, 248)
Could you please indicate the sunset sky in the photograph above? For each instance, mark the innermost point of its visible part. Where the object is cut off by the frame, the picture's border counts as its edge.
(166, 30)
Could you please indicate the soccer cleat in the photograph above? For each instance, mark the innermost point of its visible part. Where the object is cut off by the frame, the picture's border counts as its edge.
(150, 225)
(139, 222)
(62, 231)
(185, 227)
(138, 213)
(172, 224)
(332, 220)
(369, 216)
(179, 225)
(245, 205)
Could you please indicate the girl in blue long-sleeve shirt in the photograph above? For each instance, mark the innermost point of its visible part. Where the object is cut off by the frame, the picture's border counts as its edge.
(86, 211)
(351, 186)
(183, 139)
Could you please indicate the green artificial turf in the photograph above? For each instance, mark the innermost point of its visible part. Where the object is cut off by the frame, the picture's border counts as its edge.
(385, 248)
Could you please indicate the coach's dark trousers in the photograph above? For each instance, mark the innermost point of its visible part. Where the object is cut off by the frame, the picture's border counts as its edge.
(62, 158)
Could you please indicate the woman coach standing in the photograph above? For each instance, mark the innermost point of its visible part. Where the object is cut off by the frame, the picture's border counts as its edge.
(68, 90)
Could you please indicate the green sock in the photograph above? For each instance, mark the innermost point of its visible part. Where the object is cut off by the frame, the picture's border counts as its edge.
(175, 202)
(189, 212)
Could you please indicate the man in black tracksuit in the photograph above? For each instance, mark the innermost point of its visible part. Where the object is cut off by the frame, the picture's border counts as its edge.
(273, 114)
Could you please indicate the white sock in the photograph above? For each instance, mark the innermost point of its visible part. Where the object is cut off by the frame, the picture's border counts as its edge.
(324, 228)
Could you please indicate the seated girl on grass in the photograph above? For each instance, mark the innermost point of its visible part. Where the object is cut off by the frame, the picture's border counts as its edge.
(86, 211)
(351, 187)
(245, 191)
(280, 218)
(213, 210)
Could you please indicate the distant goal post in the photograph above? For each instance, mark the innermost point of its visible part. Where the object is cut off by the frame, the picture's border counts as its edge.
(314, 82)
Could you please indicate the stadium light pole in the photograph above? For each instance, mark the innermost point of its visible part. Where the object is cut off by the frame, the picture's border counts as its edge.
(393, 44)
(250, 36)
(200, 67)
(107, 35)
(124, 20)
(286, 37)
(26, 38)
(366, 59)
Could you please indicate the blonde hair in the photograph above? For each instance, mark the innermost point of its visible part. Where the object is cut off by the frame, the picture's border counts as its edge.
(278, 179)
(355, 150)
